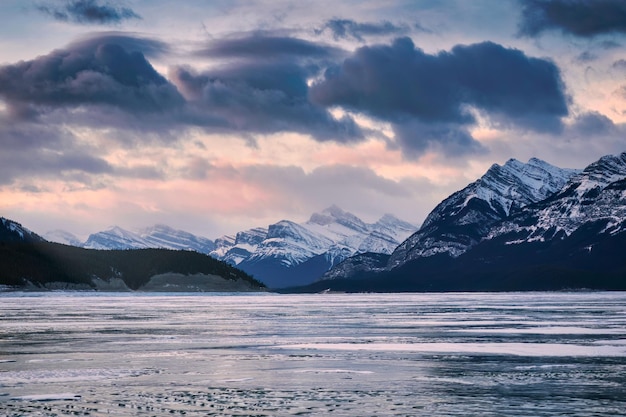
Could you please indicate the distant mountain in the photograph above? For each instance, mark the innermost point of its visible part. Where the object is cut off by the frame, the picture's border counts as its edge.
(158, 236)
(283, 254)
(519, 227)
(240, 247)
(289, 253)
(29, 262)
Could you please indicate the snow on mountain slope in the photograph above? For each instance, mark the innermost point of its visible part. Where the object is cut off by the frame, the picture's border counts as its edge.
(463, 219)
(115, 238)
(313, 247)
(161, 236)
(333, 232)
(595, 194)
(222, 245)
(329, 236)
(235, 249)
(158, 236)
(291, 244)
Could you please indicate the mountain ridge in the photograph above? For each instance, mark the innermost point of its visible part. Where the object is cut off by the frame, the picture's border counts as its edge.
(459, 221)
(572, 238)
(269, 253)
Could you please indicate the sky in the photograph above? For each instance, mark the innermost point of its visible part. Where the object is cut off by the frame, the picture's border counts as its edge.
(218, 116)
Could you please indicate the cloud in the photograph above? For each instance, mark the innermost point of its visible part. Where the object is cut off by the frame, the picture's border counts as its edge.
(89, 12)
(416, 138)
(267, 46)
(592, 124)
(95, 71)
(353, 188)
(582, 18)
(36, 150)
(346, 29)
(129, 41)
(263, 98)
(104, 81)
(428, 96)
(266, 89)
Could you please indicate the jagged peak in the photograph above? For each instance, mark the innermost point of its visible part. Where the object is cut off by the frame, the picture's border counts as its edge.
(607, 161)
(503, 187)
(600, 173)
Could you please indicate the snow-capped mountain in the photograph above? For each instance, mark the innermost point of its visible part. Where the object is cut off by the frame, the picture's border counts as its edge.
(158, 236)
(11, 231)
(573, 237)
(464, 219)
(115, 238)
(161, 236)
(271, 253)
(289, 253)
(235, 249)
(596, 195)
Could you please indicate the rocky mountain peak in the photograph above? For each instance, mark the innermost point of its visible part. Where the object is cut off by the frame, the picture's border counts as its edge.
(601, 173)
(460, 221)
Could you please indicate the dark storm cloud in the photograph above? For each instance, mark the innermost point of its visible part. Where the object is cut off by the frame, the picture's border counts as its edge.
(94, 71)
(403, 85)
(346, 29)
(267, 46)
(591, 124)
(265, 90)
(258, 97)
(107, 78)
(415, 138)
(130, 42)
(89, 12)
(583, 18)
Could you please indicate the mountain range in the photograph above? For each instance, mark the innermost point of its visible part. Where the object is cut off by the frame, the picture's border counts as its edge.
(520, 226)
(284, 254)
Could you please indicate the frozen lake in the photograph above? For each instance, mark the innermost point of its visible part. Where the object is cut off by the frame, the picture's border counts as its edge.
(531, 354)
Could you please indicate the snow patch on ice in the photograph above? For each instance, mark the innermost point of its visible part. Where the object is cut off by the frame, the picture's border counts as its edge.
(64, 396)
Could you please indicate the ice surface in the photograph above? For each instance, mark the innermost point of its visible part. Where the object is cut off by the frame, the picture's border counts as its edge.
(518, 349)
(66, 396)
(346, 355)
